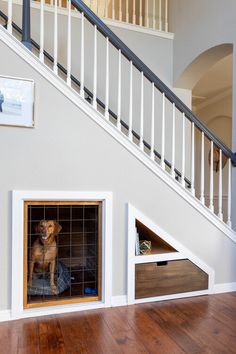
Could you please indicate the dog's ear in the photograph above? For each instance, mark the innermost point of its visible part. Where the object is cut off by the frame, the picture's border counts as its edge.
(57, 227)
(37, 228)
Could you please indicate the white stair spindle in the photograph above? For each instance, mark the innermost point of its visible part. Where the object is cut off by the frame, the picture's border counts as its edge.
(119, 91)
(140, 12)
(229, 222)
(51, 2)
(146, 13)
(90, 4)
(113, 9)
(9, 12)
(220, 214)
(163, 131)
(166, 15)
(68, 80)
(106, 9)
(60, 3)
(183, 152)
(95, 69)
(152, 155)
(131, 101)
(120, 10)
(211, 205)
(134, 12)
(107, 81)
(82, 57)
(141, 115)
(41, 55)
(55, 51)
(193, 159)
(202, 198)
(160, 15)
(173, 142)
(154, 14)
(127, 10)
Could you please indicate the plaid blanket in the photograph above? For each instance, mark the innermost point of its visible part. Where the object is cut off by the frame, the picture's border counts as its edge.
(41, 282)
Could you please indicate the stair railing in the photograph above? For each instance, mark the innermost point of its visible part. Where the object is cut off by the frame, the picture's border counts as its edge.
(151, 14)
(168, 131)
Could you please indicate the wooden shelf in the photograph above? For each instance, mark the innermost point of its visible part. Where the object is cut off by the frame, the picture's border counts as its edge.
(159, 246)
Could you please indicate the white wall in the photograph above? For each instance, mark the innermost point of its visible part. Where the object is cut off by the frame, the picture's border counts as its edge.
(199, 26)
(68, 151)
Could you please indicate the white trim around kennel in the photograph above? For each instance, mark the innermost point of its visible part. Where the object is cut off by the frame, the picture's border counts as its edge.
(18, 199)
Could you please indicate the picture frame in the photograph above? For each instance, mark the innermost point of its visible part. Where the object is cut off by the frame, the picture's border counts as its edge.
(16, 102)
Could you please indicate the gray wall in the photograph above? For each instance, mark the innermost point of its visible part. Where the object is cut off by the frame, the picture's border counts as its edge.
(68, 151)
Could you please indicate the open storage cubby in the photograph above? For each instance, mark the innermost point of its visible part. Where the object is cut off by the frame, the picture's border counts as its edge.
(76, 252)
(159, 246)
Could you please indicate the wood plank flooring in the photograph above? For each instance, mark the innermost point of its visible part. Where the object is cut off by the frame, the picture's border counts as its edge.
(205, 324)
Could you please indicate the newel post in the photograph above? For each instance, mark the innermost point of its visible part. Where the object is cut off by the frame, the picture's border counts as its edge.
(26, 38)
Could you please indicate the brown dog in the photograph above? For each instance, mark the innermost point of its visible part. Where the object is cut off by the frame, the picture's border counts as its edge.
(44, 251)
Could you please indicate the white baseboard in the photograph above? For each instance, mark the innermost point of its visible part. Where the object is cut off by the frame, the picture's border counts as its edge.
(224, 288)
(120, 300)
(5, 315)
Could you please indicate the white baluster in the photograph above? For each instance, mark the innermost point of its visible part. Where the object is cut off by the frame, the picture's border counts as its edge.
(202, 198)
(211, 205)
(127, 10)
(160, 15)
(55, 51)
(140, 12)
(120, 10)
(163, 131)
(193, 160)
(95, 69)
(51, 2)
(220, 214)
(107, 80)
(119, 91)
(90, 4)
(60, 3)
(131, 101)
(106, 9)
(41, 55)
(229, 222)
(146, 13)
(9, 12)
(152, 155)
(134, 12)
(183, 152)
(153, 14)
(68, 80)
(141, 115)
(113, 9)
(173, 142)
(82, 57)
(166, 15)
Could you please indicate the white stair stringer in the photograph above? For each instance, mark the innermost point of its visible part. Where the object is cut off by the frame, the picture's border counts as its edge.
(97, 117)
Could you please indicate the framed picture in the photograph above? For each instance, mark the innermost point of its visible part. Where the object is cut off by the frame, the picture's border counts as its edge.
(16, 101)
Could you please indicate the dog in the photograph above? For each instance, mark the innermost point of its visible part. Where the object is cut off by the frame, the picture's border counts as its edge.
(44, 251)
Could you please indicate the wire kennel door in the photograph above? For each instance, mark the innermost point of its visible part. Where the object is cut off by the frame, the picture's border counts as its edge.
(78, 275)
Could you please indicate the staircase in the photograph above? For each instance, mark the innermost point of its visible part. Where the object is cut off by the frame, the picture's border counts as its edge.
(152, 129)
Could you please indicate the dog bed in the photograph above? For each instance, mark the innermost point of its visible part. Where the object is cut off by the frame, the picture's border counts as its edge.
(41, 282)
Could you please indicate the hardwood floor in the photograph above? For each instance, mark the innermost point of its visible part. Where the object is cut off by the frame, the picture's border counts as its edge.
(204, 324)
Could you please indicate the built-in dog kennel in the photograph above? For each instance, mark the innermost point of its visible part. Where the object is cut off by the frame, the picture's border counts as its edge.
(73, 248)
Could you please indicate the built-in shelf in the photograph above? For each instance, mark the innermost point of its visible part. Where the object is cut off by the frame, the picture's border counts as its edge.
(159, 246)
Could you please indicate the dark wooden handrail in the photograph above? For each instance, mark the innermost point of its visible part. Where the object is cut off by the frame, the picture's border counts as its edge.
(106, 32)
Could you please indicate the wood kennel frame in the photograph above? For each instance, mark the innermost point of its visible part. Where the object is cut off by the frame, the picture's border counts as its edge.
(73, 299)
